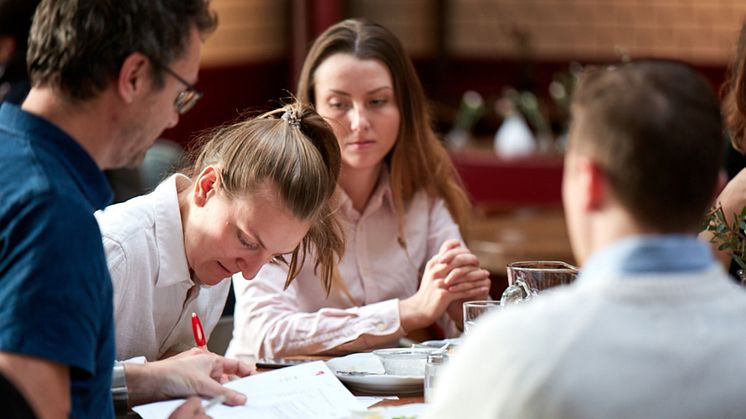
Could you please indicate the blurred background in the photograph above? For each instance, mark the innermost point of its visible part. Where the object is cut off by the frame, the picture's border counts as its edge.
(457, 45)
(483, 63)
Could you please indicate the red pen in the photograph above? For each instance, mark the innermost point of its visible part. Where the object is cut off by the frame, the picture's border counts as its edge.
(199, 334)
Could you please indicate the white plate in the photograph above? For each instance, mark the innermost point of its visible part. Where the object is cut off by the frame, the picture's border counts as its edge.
(440, 343)
(377, 382)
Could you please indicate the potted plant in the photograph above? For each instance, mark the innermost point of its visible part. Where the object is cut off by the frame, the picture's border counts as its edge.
(729, 236)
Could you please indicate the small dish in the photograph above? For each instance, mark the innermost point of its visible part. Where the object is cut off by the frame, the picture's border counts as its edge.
(404, 361)
(364, 374)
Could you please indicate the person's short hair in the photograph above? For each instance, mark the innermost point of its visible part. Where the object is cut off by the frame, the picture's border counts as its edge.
(295, 150)
(654, 128)
(78, 46)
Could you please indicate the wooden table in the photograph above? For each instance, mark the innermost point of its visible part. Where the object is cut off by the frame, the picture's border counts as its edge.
(521, 234)
(402, 400)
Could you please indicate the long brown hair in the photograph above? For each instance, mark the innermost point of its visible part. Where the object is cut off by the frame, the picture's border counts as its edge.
(734, 102)
(418, 161)
(295, 150)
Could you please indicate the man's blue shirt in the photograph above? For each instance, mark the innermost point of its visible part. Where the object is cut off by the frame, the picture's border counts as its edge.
(646, 254)
(55, 289)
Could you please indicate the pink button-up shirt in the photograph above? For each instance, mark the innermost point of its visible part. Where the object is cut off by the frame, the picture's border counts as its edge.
(376, 268)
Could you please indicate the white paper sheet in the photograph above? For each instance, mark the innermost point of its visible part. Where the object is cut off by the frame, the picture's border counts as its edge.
(302, 391)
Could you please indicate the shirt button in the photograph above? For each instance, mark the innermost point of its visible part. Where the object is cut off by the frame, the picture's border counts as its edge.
(381, 326)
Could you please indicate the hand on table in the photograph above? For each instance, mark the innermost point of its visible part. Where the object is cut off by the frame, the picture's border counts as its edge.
(453, 274)
(193, 372)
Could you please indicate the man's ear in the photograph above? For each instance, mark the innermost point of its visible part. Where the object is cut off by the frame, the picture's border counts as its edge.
(593, 182)
(205, 186)
(134, 77)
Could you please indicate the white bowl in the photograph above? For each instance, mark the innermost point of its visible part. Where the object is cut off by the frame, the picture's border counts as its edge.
(404, 361)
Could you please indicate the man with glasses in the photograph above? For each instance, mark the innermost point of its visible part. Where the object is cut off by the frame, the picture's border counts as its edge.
(188, 97)
(107, 76)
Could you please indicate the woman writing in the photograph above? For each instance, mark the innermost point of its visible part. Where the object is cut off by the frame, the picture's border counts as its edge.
(258, 191)
(404, 266)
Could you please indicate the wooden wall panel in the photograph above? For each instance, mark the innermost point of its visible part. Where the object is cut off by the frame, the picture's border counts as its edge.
(411, 20)
(698, 31)
(248, 31)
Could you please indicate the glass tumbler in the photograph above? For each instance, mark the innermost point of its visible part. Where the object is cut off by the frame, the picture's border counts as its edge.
(434, 366)
(474, 309)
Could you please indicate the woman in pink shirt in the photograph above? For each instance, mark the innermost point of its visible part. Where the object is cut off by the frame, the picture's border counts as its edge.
(400, 201)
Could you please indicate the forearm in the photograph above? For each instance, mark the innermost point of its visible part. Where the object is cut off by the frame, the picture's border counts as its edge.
(411, 315)
(451, 326)
(143, 386)
(333, 330)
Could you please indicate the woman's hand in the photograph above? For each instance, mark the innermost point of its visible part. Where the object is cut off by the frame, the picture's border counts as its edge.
(467, 280)
(193, 372)
(452, 274)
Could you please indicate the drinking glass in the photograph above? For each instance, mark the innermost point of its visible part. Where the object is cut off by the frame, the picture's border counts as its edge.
(474, 309)
(434, 366)
(528, 279)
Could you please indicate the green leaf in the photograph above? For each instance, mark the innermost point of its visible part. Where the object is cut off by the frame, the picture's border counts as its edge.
(740, 262)
(728, 236)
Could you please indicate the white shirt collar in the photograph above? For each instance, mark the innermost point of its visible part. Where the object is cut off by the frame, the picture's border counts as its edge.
(173, 267)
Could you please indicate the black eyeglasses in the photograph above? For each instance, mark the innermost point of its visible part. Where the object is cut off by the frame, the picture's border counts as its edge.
(188, 97)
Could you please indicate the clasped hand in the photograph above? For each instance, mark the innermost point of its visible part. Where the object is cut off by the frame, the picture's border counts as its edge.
(451, 276)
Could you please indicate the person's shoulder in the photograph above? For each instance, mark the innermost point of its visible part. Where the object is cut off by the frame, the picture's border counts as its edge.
(128, 232)
(23, 179)
(35, 198)
(540, 318)
(126, 219)
(52, 239)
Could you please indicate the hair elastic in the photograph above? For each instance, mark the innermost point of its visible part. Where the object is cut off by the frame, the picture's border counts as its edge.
(291, 118)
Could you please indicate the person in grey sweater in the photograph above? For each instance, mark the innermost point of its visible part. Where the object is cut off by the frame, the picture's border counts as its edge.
(653, 325)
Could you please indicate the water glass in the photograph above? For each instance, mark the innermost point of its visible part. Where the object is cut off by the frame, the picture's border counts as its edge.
(474, 309)
(434, 366)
